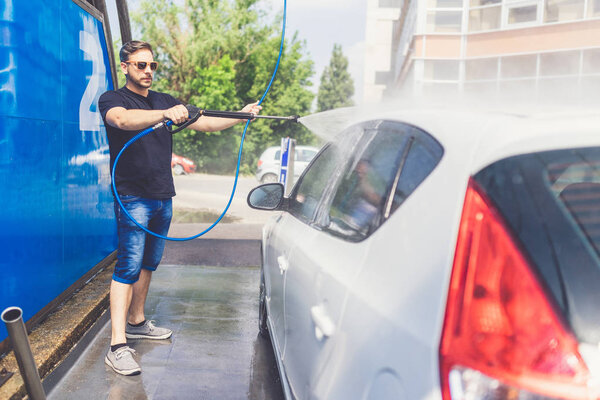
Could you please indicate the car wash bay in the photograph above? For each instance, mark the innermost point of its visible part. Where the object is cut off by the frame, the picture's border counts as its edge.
(215, 352)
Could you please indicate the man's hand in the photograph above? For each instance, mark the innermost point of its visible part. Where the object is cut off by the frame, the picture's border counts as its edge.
(178, 114)
(253, 108)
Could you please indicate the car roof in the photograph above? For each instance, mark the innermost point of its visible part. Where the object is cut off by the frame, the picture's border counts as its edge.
(483, 135)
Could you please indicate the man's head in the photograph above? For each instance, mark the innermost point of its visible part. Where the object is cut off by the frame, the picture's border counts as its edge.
(137, 63)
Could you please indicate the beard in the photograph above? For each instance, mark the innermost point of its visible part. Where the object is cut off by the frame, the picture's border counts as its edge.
(142, 84)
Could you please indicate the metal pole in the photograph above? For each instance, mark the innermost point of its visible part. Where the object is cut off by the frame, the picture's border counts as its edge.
(13, 318)
(124, 25)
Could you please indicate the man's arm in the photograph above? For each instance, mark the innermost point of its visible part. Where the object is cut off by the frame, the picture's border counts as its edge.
(214, 124)
(132, 120)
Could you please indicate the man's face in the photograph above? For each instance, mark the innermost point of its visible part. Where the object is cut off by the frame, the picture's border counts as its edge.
(139, 77)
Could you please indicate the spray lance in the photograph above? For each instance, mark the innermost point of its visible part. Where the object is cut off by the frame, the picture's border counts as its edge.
(195, 113)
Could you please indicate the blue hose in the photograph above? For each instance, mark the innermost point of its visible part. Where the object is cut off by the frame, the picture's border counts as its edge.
(237, 171)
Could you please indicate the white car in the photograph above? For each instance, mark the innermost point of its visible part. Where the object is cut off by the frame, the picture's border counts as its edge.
(270, 161)
(431, 254)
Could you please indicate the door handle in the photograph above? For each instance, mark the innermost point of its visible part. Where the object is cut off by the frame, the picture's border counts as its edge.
(324, 326)
(283, 264)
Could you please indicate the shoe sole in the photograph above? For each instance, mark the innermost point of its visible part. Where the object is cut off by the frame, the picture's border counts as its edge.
(126, 372)
(135, 336)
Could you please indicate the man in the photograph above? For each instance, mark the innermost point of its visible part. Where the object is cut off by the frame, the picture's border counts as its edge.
(145, 185)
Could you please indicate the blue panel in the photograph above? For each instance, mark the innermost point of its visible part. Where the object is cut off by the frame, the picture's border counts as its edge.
(56, 208)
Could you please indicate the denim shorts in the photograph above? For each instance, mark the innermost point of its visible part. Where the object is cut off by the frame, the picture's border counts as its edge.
(138, 249)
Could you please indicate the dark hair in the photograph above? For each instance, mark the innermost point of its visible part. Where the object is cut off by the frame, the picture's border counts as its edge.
(132, 47)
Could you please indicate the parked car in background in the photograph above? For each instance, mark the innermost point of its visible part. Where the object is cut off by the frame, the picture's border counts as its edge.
(429, 254)
(270, 162)
(182, 165)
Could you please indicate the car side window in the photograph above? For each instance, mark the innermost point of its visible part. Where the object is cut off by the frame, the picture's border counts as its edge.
(391, 158)
(360, 198)
(425, 153)
(309, 190)
(318, 180)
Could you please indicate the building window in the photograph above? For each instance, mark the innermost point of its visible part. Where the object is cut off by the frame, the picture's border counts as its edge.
(591, 62)
(441, 70)
(444, 21)
(486, 18)
(593, 8)
(479, 3)
(445, 3)
(522, 14)
(563, 10)
(390, 3)
(481, 69)
(557, 64)
(518, 66)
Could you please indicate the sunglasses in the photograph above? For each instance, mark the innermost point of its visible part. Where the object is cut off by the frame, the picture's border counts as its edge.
(143, 64)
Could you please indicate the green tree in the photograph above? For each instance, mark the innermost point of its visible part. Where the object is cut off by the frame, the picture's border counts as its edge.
(337, 87)
(220, 55)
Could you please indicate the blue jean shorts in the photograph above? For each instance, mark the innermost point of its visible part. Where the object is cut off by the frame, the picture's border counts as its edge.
(138, 249)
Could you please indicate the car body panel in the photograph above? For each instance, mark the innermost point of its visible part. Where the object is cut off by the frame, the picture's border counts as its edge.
(182, 165)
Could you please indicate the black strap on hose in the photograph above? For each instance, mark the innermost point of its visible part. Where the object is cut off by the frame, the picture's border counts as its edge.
(228, 114)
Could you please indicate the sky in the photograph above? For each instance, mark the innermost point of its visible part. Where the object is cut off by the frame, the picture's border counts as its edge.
(321, 23)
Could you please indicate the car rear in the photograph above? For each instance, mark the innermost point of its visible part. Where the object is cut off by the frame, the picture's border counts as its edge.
(267, 166)
(521, 318)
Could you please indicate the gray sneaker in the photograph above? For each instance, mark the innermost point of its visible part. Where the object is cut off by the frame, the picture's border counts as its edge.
(147, 331)
(121, 360)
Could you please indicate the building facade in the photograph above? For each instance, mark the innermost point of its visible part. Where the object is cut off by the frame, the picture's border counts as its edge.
(382, 17)
(537, 48)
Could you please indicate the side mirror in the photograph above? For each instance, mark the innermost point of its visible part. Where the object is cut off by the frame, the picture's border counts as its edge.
(267, 197)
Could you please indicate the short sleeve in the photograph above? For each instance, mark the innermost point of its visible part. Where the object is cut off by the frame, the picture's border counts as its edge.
(172, 101)
(110, 100)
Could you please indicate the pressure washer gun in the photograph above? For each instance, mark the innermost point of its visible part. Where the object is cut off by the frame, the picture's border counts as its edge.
(195, 113)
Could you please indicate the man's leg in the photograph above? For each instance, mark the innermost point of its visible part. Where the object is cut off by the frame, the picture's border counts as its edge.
(120, 298)
(138, 300)
(127, 270)
(130, 255)
(138, 327)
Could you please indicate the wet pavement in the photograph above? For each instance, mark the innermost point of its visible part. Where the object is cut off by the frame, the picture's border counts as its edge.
(215, 351)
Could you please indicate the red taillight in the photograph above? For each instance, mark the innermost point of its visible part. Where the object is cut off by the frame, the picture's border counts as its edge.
(500, 331)
(259, 163)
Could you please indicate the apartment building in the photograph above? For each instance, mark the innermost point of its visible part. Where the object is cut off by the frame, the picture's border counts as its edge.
(382, 16)
(538, 48)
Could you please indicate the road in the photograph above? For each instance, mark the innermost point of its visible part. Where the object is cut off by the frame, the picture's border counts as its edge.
(212, 192)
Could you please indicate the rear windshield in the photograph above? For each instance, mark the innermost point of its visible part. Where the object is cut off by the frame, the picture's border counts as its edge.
(551, 201)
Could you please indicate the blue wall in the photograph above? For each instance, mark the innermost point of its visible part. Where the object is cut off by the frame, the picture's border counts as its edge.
(56, 210)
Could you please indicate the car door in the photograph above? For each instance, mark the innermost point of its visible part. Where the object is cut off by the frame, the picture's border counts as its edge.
(276, 249)
(379, 321)
(295, 229)
(324, 264)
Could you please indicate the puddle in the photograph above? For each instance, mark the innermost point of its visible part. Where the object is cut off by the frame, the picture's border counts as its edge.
(193, 215)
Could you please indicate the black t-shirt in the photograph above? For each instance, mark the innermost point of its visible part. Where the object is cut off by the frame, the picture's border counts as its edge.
(144, 168)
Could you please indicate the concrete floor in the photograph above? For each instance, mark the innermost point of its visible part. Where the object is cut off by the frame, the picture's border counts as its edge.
(215, 351)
